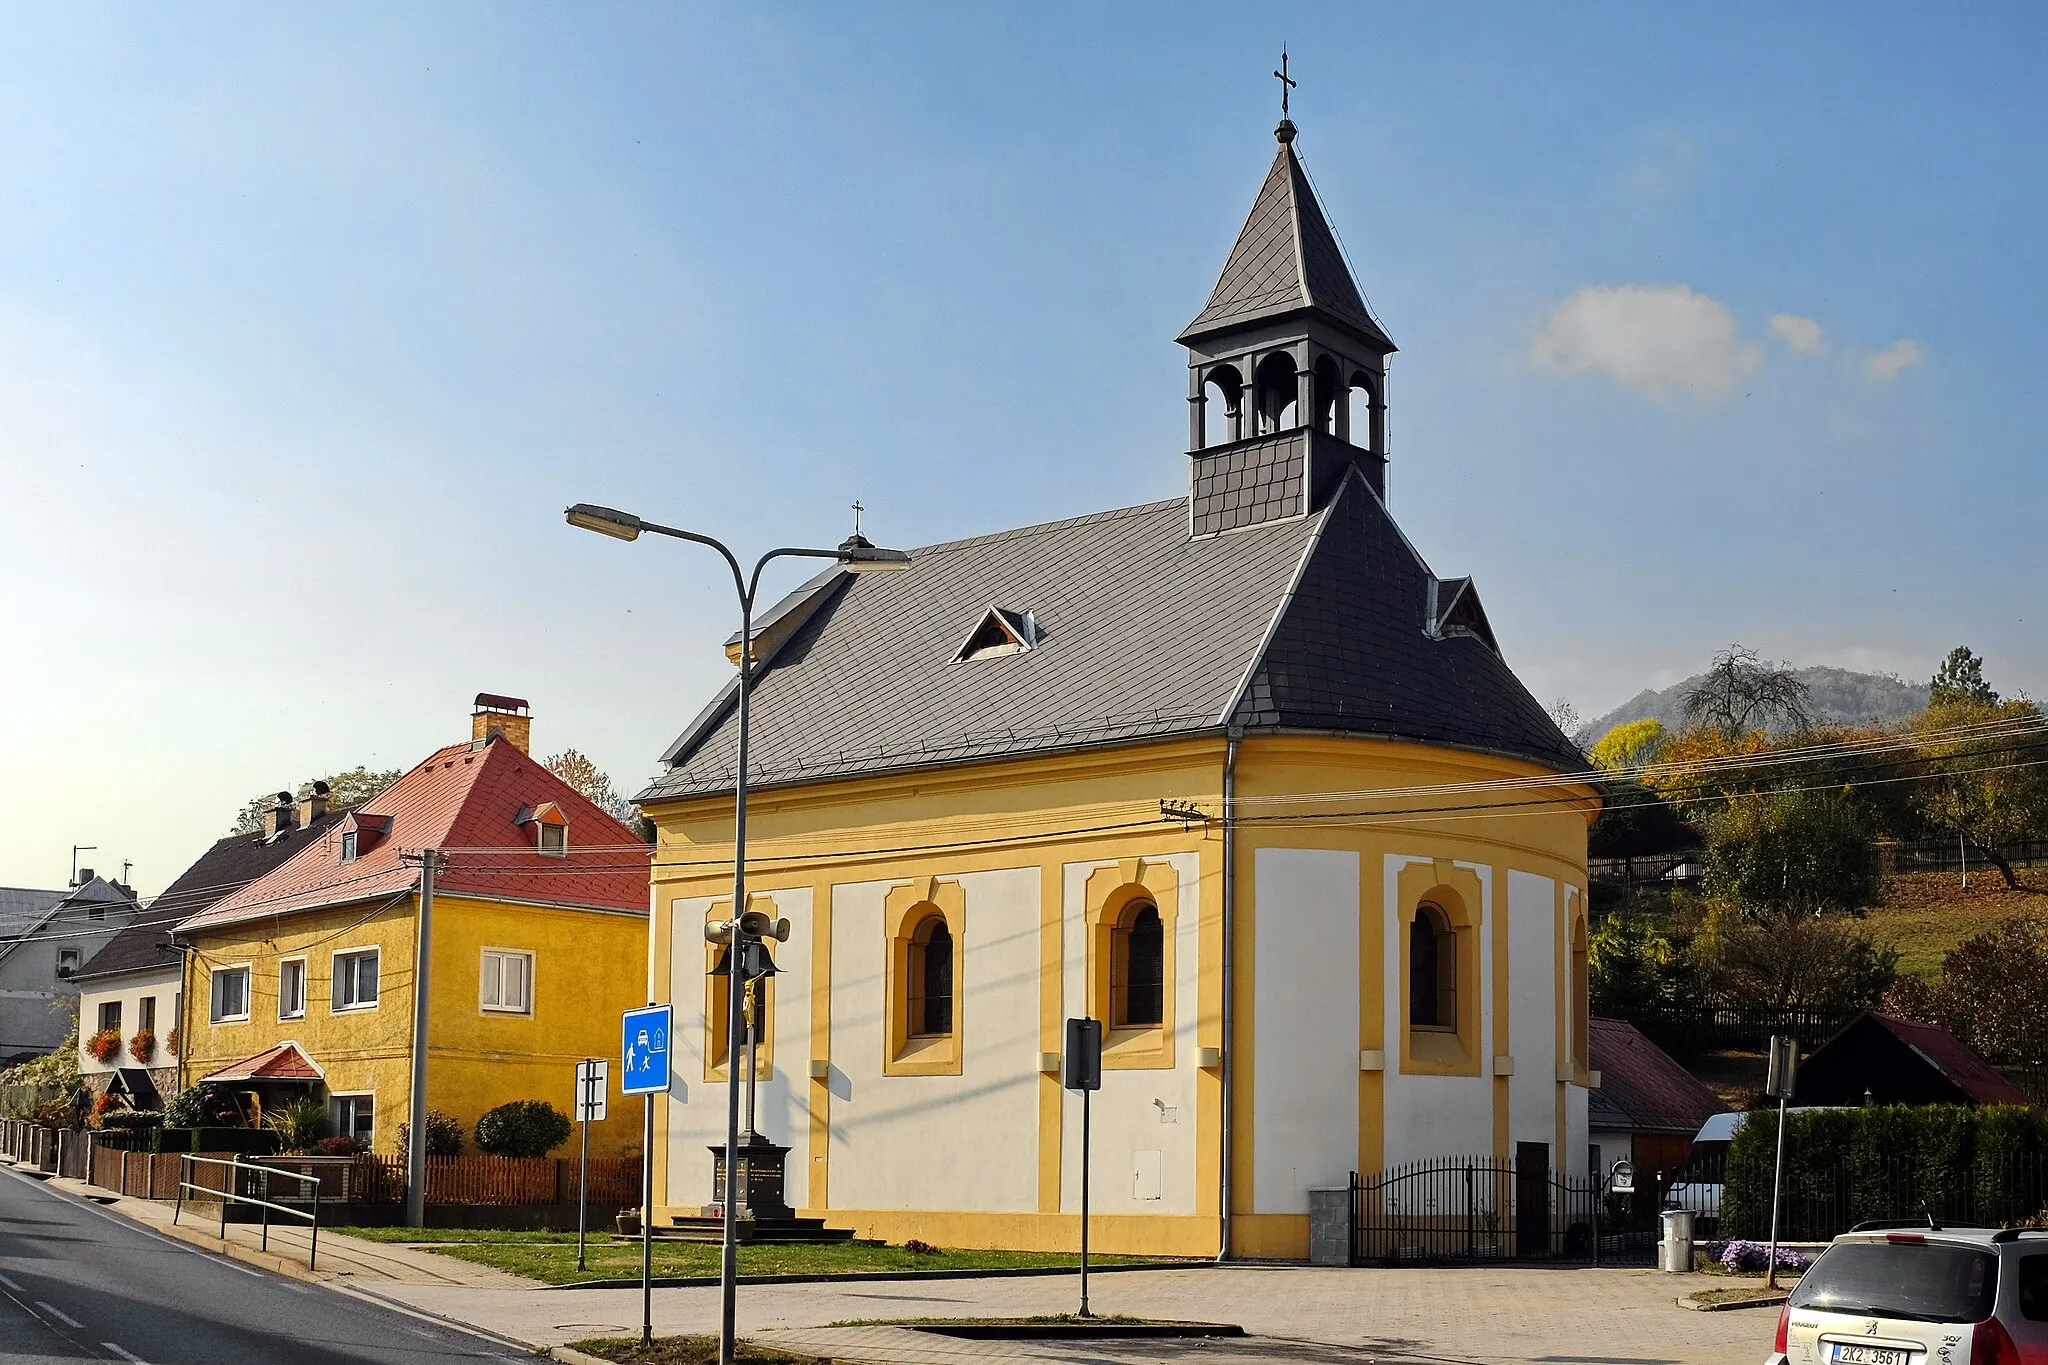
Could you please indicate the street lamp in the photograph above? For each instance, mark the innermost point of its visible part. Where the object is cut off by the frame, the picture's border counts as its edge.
(857, 555)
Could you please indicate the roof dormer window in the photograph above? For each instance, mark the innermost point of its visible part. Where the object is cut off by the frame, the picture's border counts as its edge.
(551, 828)
(999, 632)
(360, 833)
(350, 843)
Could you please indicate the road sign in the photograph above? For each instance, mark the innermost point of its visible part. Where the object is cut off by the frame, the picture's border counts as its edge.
(593, 1081)
(643, 1045)
(1081, 1063)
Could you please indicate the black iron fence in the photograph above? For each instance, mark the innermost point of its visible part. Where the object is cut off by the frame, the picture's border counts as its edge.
(1694, 1027)
(1471, 1210)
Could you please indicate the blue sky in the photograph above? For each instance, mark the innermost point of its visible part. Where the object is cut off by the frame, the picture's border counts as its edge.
(1714, 327)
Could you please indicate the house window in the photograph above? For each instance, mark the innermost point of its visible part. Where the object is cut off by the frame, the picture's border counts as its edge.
(353, 1116)
(554, 840)
(147, 1006)
(1137, 967)
(1432, 971)
(930, 979)
(67, 963)
(507, 981)
(110, 1016)
(230, 994)
(349, 845)
(291, 988)
(355, 980)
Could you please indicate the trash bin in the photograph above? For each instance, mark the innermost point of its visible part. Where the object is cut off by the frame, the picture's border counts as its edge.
(1329, 1226)
(1674, 1253)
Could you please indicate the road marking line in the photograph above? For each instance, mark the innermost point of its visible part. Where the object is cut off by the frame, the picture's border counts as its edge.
(12, 1285)
(118, 1349)
(59, 1314)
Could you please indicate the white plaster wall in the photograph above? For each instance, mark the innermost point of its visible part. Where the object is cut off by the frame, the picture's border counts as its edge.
(1135, 1112)
(130, 991)
(1305, 984)
(1532, 1015)
(1435, 1116)
(696, 1111)
(966, 1142)
(1614, 1145)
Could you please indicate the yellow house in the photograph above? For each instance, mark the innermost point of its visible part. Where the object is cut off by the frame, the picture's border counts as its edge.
(1235, 774)
(302, 982)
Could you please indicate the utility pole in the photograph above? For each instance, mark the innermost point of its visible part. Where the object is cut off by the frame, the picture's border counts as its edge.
(416, 1147)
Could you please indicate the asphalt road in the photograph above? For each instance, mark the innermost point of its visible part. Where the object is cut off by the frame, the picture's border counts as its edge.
(78, 1283)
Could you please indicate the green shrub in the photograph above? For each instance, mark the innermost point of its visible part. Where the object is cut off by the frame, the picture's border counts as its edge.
(133, 1119)
(444, 1135)
(299, 1124)
(1954, 1162)
(522, 1128)
(203, 1106)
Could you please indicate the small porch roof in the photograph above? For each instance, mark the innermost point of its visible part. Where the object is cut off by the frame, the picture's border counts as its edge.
(282, 1063)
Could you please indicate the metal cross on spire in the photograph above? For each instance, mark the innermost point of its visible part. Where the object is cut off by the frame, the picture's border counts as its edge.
(857, 510)
(1287, 83)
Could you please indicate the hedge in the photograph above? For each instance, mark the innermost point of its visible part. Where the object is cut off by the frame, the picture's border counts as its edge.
(1957, 1163)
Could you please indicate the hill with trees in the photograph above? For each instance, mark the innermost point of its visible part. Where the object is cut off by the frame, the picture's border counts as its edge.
(1834, 696)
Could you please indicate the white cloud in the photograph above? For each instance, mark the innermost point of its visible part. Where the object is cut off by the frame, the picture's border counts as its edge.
(1803, 335)
(1884, 367)
(1663, 341)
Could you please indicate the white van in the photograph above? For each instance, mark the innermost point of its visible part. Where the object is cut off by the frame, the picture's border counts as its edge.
(1697, 1184)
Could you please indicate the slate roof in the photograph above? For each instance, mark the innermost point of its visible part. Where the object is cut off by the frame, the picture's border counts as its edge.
(464, 800)
(1313, 622)
(231, 864)
(1641, 1087)
(1285, 260)
(64, 912)
(23, 907)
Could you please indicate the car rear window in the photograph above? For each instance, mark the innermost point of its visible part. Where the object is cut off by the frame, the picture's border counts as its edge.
(1926, 1280)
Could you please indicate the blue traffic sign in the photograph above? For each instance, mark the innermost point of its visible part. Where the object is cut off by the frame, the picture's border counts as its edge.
(643, 1045)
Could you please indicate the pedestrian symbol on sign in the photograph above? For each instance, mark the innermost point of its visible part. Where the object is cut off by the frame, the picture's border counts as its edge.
(644, 1050)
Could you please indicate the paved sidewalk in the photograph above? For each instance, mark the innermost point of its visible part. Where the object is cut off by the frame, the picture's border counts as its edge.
(342, 1260)
(1295, 1313)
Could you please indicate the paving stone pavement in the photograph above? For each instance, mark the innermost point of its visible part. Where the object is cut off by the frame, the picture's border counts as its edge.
(1495, 1316)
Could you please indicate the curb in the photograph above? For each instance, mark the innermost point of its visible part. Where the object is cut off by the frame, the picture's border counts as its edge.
(998, 1273)
(576, 1357)
(1731, 1305)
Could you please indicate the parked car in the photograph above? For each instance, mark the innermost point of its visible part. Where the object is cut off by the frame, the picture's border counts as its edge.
(1923, 1295)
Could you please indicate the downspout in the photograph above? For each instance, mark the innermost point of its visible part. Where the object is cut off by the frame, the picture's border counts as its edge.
(1228, 1130)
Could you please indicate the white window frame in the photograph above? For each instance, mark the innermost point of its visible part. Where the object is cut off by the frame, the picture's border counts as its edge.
(334, 971)
(300, 963)
(69, 960)
(483, 981)
(351, 845)
(213, 1012)
(333, 1105)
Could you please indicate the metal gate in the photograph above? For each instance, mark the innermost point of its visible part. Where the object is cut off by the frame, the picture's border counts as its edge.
(1474, 1210)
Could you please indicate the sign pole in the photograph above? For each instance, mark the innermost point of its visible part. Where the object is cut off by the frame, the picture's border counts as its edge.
(1779, 1082)
(647, 1228)
(1085, 1095)
(585, 1073)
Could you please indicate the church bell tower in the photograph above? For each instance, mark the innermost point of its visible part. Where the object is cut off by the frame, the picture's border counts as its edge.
(1274, 360)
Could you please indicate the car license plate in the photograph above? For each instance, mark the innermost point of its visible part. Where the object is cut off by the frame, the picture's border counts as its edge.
(1847, 1353)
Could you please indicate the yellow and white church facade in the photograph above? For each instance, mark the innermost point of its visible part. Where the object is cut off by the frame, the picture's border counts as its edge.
(1234, 773)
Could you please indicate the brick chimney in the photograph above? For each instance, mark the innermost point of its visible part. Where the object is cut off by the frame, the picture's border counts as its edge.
(313, 805)
(282, 815)
(506, 716)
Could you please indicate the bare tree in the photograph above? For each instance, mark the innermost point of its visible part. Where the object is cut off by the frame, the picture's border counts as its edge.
(1742, 692)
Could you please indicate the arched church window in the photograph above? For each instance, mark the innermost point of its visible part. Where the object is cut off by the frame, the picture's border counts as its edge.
(1328, 392)
(1432, 970)
(1223, 391)
(1274, 385)
(1137, 992)
(930, 1012)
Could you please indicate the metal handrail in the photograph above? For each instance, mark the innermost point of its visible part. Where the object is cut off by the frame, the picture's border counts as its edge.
(229, 1195)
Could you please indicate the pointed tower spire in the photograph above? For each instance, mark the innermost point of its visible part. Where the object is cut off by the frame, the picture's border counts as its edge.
(1279, 359)
(1285, 260)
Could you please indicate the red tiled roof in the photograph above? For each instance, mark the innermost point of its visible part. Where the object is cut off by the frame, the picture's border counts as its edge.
(282, 1063)
(1952, 1057)
(462, 800)
(1645, 1083)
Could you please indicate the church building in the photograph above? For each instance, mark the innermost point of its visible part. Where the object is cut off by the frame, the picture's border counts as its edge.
(1236, 774)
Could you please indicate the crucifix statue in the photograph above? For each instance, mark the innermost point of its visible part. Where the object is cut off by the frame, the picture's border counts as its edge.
(1287, 83)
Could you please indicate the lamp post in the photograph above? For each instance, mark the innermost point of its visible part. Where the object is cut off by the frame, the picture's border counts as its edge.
(856, 555)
